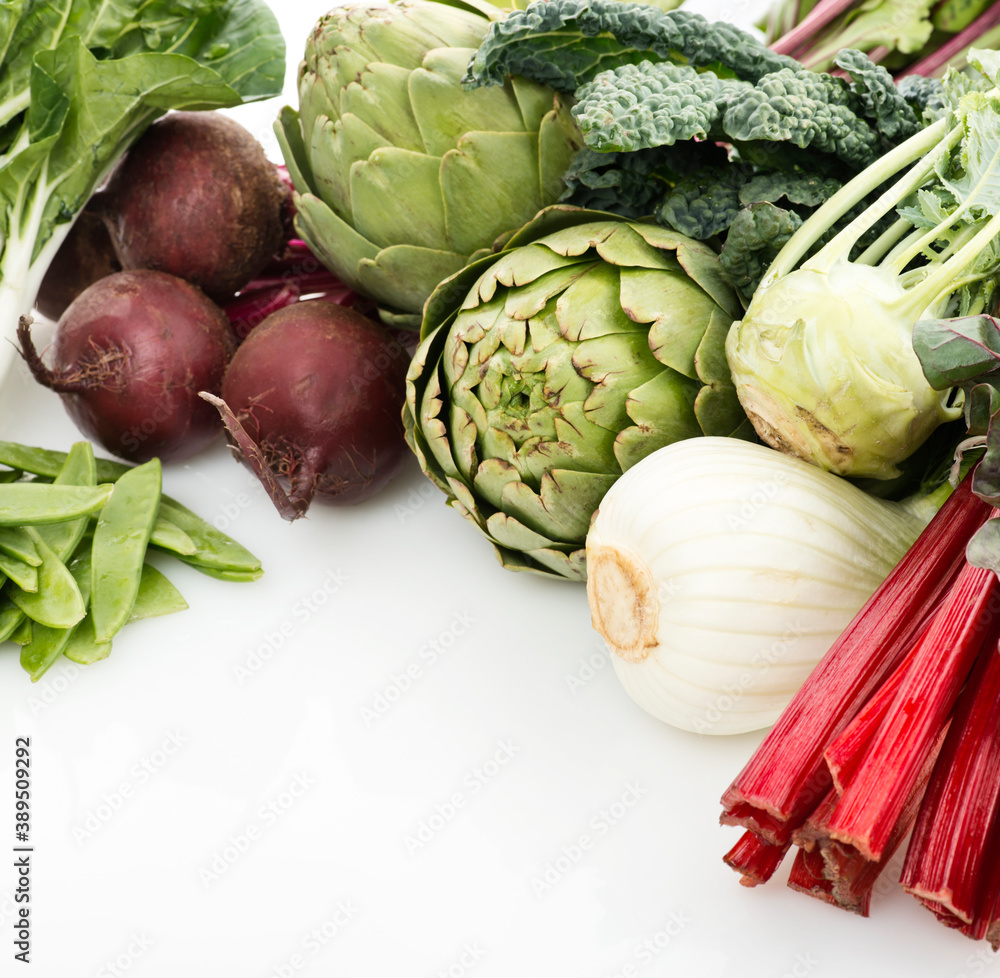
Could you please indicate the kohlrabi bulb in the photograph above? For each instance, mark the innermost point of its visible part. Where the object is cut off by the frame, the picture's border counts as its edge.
(824, 367)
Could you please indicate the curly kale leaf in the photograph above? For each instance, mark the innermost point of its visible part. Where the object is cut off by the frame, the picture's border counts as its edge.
(755, 237)
(806, 109)
(632, 184)
(705, 204)
(566, 43)
(925, 96)
(878, 97)
(807, 190)
(639, 106)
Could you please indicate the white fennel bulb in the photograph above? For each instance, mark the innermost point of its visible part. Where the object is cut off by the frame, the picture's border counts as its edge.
(720, 571)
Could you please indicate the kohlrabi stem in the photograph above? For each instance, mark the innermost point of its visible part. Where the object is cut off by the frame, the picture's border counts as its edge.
(935, 140)
(901, 260)
(944, 279)
(887, 240)
(924, 505)
(842, 242)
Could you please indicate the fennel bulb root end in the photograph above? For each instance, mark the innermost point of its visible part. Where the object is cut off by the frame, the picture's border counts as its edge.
(623, 602)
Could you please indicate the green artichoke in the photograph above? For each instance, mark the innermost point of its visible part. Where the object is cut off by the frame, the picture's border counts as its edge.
(400, 174)
(548, 369)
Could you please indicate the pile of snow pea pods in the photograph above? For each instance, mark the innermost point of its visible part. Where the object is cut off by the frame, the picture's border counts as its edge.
(74, 535)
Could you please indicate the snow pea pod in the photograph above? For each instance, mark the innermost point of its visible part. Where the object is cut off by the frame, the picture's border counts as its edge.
(157, 596)
(120, 541)
(17, 543)
(82, 646)
(217, 553)
(47, 644)
(169, 536)
(76, 468)
(57, 602)
(23, 574)
(23, 633)
(30, 503)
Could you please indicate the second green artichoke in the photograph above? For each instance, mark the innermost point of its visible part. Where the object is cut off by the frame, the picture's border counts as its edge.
(548, 369)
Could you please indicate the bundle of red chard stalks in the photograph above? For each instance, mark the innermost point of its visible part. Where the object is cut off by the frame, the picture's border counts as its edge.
(897, 730)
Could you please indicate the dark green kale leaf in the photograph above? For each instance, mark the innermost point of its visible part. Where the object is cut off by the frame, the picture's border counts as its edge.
(565, 43)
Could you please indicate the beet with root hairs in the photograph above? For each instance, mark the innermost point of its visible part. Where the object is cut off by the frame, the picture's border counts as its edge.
(130, 356)
(313, 400)
(197, 197)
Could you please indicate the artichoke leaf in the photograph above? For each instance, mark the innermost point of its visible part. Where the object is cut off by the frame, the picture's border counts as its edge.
(719, 412)
(532, 297)
(464, 435)
(702, 265)
(288, 132)
(436, 434)
(534, 102)
(492, 476)
(454, 24)
(559, 139)
(590, 306)
(710, 358)
(663, 412)
(520, 267)
(544, 330)
(465, 502)
(489, 183)
(334, 242)
(403, 275)
(616, 364)
(444, 113)
(628, 248)
(498, 447)
(383, 214)
(335, 147)
(572, 565)
(677, 304)
(508, 531)
(381, 98)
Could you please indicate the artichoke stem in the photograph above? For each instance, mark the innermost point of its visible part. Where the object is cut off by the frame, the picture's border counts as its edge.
(623, 600)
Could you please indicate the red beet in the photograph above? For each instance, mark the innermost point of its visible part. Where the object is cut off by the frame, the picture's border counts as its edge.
(130, 356)
(197, 197)
(313, 398)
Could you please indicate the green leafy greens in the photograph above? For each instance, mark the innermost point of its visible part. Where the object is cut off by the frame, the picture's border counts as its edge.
(648, 81)
(80, 80)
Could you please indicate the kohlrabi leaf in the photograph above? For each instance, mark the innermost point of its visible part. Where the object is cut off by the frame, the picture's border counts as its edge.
(565, 43)
(977, 181)
(983, 550)
(985, 61)
(955, 351)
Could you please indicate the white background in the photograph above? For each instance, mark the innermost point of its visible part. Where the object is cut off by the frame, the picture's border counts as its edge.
(247, 789)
